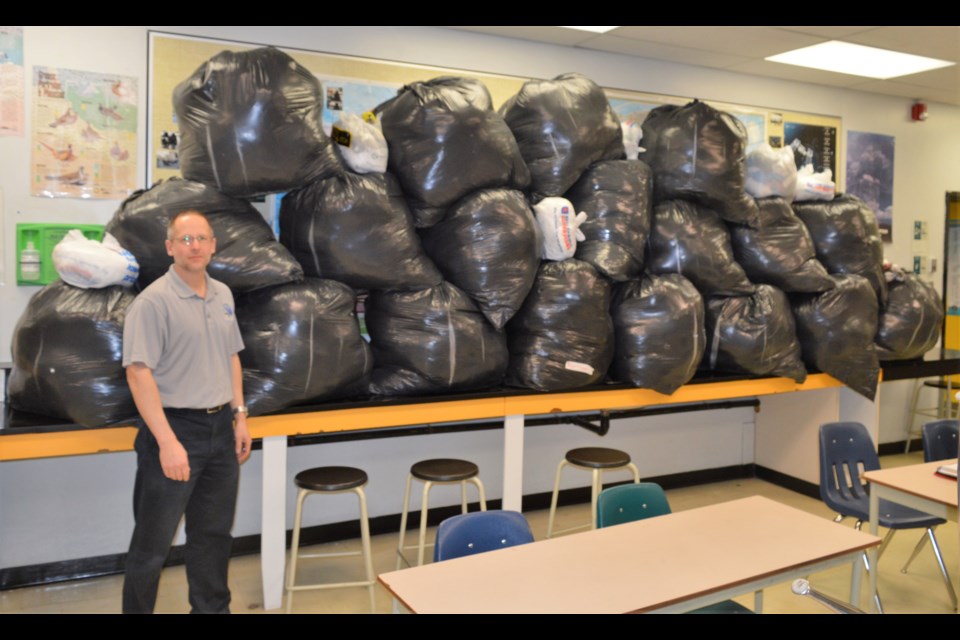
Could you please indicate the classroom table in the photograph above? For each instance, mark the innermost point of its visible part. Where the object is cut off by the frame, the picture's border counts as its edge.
(917, 486)
(671, 563)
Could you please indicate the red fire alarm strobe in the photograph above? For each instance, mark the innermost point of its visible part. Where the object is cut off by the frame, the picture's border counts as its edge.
(918, 112)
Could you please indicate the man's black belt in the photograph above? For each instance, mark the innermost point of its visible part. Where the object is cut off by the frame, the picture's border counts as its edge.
(210, 410)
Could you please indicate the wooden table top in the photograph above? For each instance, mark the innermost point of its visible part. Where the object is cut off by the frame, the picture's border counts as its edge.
(632, 567)
(920, 480)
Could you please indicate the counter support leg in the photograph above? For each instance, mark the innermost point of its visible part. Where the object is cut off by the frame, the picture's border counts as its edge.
(872, 554)
(273, 525)
(513, 462)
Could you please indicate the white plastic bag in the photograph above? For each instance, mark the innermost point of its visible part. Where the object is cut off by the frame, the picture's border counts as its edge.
(559, 222)
(362, 144)
(632, 135)
(89, 264)
(814, 186)
(771, 172)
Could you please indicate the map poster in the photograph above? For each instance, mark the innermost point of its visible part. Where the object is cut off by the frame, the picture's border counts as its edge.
(84, 134)
(11, 81)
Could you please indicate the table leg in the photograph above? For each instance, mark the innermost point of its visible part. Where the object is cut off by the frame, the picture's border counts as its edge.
(513, 462)
(856, 580)
(872, 553)
(273, 523)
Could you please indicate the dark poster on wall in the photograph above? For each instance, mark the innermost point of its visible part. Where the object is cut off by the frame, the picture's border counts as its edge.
(812, 144)
(870, 175)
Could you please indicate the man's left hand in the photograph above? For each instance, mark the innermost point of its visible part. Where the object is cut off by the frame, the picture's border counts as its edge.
(241, 436)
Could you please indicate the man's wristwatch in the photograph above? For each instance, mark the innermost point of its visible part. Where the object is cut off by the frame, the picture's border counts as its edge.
(241, 409)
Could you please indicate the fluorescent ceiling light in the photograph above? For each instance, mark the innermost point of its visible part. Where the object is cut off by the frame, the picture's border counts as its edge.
(591, 29)
(857, 60)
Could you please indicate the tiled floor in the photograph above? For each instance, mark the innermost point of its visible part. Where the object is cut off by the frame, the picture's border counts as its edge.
(920, 591)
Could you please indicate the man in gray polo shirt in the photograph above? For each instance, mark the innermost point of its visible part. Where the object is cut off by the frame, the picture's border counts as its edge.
(180, 345)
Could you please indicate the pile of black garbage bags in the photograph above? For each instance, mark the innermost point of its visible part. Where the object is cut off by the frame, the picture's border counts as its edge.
(429, 277)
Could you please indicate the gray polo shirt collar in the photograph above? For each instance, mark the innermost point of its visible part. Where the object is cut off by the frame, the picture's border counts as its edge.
(183, 290)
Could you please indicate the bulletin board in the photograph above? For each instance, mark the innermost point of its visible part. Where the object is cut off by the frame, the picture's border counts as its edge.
(173, 58)
(951, 275)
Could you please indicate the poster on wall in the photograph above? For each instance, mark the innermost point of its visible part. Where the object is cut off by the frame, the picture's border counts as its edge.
(812, 144)
(348, 82)
(756, 126)
(635, 112)
(870, 175)
(632, 111)
(84, 134)
(951, 276)
(11, 81)
(352, 96)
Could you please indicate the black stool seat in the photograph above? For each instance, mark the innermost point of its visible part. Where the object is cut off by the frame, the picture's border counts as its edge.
(598, 457)
(330, 478)
(444, 470)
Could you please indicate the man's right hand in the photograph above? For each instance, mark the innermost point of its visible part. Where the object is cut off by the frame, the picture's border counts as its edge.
(173, 457)
(174, 461)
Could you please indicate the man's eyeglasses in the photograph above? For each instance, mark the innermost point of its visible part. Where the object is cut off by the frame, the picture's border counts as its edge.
(189, 240)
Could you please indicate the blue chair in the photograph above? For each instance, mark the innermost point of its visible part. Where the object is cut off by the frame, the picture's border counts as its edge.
(478, 532)
(639, 501)
(846, 450)
(940, 439)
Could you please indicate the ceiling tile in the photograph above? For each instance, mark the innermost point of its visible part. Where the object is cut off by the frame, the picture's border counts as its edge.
(831, 33)
(742, 49)
(552, 35)
(741, 41)
(658, 51)
(935, 42)
(798, 74)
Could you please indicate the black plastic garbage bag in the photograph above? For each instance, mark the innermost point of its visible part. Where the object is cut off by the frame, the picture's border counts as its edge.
(697, 153)
(836, 329)
(847, 238)
(659, 325)
(302, 343)
(693, 241)
(445, 141)
(562, 337)
(247, 257)
(487, 246)
(615, 195)
(754, 334)
(431, 341)
(562, 127)
(251, 123)
(657, 119)
(68, 354)
(780, 250)
(357, 230)
(911, 323)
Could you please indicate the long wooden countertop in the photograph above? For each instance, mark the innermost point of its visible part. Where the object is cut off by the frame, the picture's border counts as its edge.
(401, 412)
(24, 446)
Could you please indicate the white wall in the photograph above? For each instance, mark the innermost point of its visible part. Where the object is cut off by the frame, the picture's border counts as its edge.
(77, 507)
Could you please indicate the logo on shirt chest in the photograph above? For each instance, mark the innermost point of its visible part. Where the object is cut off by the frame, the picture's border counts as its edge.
(227, 311)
